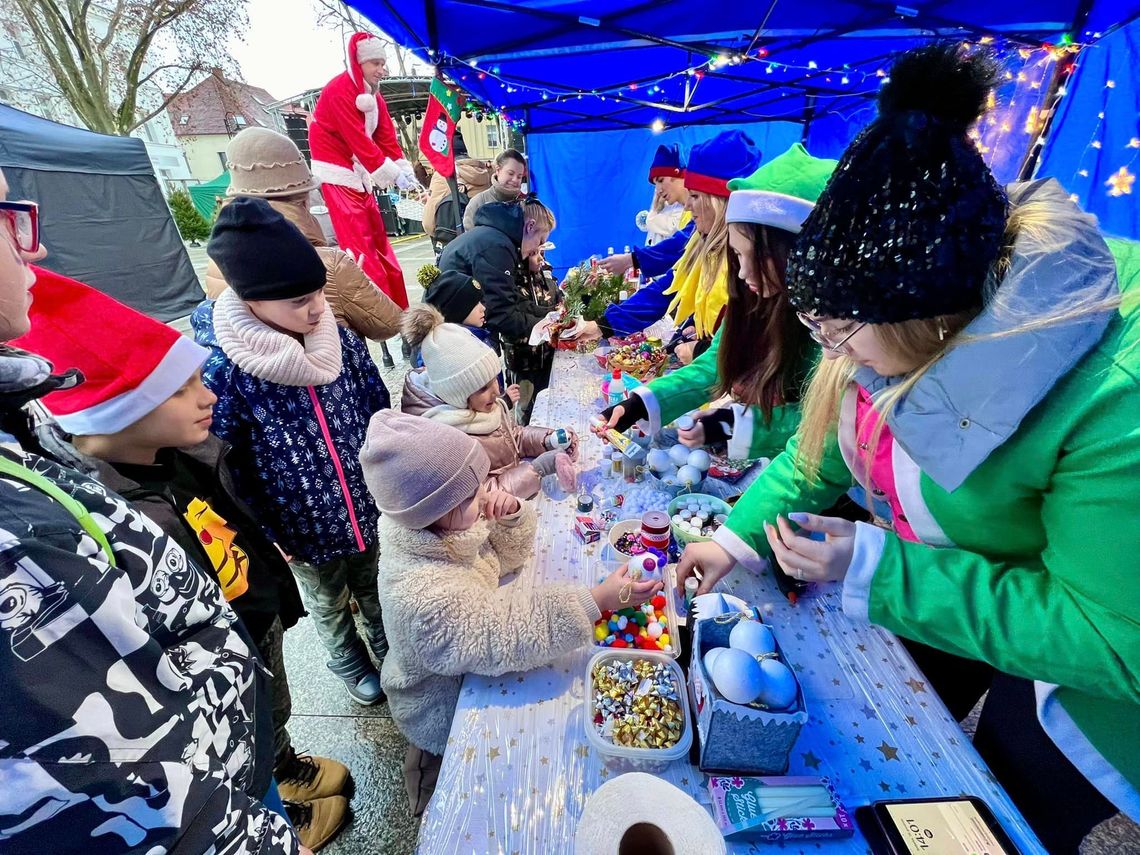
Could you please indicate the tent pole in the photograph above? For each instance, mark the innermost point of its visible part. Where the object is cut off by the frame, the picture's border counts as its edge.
(1060, 74)
(809, 114)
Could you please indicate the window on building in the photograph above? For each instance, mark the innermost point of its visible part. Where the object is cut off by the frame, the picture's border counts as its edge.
(493, 136)
(239, 120)
(183, 119)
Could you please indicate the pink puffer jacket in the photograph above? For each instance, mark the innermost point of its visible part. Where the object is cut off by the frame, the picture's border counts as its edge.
(507, 446)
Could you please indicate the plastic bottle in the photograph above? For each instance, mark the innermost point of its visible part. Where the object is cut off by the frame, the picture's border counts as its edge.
(609, 251)
(626, 250)
(617, 388)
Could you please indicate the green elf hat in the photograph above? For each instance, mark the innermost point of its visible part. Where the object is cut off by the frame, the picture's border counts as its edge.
(782, 192)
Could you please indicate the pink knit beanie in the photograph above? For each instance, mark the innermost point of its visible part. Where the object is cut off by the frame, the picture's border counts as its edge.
(418, 469)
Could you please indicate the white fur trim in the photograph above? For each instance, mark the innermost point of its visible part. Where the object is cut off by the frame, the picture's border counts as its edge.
(366, 102)
(258, 349)
(1082, 753)
(743, 426)
(367, 49)
(869, 542)
(734, 545)
(651, 406)
(341, 176)
(386, 174)
(908, 486)
(174, 369)
(766, 208)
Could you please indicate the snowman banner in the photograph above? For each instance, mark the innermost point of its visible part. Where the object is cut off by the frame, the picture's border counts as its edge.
(439, 128)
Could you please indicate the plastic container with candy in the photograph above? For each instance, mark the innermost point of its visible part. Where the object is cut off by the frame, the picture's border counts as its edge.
(637, 713)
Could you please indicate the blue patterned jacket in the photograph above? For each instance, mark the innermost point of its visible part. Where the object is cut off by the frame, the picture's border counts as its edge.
(295, 449)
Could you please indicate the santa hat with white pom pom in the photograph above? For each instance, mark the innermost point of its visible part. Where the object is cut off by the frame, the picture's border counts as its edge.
(361, 48)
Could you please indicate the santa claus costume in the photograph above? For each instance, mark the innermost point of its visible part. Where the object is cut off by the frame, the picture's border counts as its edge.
(354, 147)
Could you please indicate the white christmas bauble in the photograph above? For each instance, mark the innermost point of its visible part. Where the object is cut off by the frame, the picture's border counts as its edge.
(737, 676)
(711, 657)
(689, 475)
(658, 459)
(753, 637)
(778, 686)
(700, 458)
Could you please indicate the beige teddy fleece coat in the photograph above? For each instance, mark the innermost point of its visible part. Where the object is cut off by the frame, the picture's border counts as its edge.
(446, 615)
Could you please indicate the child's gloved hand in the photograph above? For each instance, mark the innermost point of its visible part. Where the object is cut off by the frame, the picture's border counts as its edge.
(619, 591)
(497, 504)
(567, 473)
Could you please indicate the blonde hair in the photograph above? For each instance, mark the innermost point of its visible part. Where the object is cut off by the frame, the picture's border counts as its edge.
(1049, 225)
(543, 217)
(709, 250)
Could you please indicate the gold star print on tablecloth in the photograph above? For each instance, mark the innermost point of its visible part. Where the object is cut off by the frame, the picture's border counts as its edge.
(890, 752)
(811, 760)
(468, 754)
(916, 686)
(1120, 182)
(493, 752)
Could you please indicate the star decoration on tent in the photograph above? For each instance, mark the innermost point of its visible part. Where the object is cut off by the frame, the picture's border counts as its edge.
(1120, 182)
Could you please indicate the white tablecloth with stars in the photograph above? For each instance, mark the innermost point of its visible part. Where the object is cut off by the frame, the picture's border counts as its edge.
(518, 768)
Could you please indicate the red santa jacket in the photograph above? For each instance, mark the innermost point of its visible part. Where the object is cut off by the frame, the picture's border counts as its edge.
(346, 141)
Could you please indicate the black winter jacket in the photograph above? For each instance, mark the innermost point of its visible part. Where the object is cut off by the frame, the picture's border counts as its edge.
(490, 253)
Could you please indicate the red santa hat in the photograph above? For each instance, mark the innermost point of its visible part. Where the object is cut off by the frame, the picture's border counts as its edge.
(361, 48)
(130, 363)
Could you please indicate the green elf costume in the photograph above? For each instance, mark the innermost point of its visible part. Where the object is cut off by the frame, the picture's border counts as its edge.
(1009, 473)
(780, 194)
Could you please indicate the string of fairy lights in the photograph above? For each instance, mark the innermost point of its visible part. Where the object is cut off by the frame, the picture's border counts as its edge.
(1024, 107)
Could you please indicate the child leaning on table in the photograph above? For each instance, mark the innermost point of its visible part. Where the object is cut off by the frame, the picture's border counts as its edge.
(448, 541)
(459, 386)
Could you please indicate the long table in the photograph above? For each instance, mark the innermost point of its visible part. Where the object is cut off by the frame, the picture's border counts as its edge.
(518, 770)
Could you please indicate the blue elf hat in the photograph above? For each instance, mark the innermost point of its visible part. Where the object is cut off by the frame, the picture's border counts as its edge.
(667, 163)
(713, 163)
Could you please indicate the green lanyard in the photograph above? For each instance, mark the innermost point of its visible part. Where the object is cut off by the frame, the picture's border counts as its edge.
(33, 479)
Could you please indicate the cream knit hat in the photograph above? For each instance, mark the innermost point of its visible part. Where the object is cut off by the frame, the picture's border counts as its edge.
(418, 469)
(266, 164)
(458, 364)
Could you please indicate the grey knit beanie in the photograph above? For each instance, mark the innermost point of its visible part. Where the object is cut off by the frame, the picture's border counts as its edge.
(266, 164)
(418, 469)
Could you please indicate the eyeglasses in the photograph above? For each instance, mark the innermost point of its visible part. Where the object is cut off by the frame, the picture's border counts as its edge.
(23, 218)
(815, 328)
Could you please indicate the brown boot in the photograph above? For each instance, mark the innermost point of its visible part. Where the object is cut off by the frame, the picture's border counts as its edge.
(303, 778)
(317, 822)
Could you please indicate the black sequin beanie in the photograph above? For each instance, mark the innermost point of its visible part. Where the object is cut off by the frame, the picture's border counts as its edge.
(912, 219)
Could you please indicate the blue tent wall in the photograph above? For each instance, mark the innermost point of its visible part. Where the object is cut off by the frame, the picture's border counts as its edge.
(1069, 149)
(596, 182)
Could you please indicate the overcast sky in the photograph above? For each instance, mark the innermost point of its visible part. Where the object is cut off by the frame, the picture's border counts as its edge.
(284, 52)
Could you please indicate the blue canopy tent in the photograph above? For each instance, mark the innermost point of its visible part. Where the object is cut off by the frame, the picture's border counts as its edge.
(566, 72)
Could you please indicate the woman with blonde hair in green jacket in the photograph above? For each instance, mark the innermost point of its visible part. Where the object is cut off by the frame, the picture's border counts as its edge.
(980, 382)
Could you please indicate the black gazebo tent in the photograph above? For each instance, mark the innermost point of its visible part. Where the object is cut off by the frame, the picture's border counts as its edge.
(102, 214)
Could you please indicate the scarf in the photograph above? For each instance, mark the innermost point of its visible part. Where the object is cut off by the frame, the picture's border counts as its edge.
(501, 194)
(276, 357)
(692, 296)
(468, 421)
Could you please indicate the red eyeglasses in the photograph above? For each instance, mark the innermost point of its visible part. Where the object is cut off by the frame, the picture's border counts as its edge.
(23, 219)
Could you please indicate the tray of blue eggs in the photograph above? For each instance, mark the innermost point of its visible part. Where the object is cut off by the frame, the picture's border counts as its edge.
(748, 671)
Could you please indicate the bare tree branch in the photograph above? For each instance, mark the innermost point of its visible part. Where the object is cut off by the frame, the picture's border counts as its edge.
(113, 60)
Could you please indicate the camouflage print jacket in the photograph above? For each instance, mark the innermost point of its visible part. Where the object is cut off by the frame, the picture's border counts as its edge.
(130, 710)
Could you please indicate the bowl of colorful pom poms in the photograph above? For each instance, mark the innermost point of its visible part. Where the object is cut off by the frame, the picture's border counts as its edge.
(645, 627)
